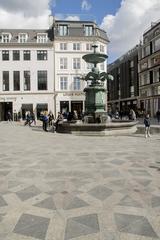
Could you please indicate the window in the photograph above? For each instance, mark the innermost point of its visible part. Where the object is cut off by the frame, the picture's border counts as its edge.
(42, 38)
(42, 107)
(5, 80)
(76, 83)
(42, 80)
(26, 55)
(63, 63)
(63, 46)
(63, 30)
(5, 55)
(41, 55)
(16, 55)
(131, 64)
(89, 47)
(156, 75)
(76, 46)
(22, 38)
(6, 37)
(157, 44)
(16, 80)
(145, 79)
(88, 30)
(76, 63)
(63, 83)
(101, 48)
(27, 81)
(145, 40)
(146, 50)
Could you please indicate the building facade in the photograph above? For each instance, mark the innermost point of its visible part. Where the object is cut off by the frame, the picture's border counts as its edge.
(71, 41)
(26, 72)
(123, 91)
(149, 70)
(42, 69)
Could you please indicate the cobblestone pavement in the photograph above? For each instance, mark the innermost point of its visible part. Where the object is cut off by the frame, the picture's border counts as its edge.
(62, 187)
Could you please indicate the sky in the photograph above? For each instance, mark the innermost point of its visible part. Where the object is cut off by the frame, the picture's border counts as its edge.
(123, 20)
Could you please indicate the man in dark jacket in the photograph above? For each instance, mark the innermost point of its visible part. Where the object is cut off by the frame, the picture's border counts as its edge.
(147, 124)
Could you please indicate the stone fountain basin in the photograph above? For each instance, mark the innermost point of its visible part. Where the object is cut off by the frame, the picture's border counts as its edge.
(99, 129)
(95, 58)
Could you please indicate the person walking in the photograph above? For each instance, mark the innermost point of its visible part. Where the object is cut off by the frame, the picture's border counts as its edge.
(28, 118)
(32, 119)
(158, 116)
(147, 124)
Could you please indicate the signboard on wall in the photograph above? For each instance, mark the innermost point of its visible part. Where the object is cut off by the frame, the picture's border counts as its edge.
(73, 94)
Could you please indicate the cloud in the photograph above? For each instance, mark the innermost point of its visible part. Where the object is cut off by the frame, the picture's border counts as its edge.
(61, 16)
(86, 5)
(126, 27)
(72, 18)
(24, 14)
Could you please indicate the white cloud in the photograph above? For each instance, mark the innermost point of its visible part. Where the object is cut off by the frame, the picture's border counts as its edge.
(61, 16)
(126, 27)
(86, 5)
(24, 14)
(72, 18)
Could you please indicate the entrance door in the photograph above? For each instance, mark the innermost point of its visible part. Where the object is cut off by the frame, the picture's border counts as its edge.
(77, 106)
(64, 106)
(5, 107)
(26, 108)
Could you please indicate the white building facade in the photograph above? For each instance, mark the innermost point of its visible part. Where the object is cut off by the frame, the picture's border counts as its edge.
(41, 70)
(72, 40)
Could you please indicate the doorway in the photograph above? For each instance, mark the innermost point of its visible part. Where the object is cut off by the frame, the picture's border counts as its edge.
(77, 106)
(5, 107)
(26, 108)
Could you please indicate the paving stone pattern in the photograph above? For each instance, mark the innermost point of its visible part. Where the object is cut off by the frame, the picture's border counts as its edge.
(65, 187)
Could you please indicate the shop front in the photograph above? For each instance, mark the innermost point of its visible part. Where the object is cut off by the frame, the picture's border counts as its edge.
(70, 102)
(5, 107)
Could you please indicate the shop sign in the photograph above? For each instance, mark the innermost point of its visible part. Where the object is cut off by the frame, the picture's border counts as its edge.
(73, 94)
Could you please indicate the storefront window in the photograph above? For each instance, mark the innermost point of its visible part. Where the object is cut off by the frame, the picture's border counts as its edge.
(64, 106)
(41, 107)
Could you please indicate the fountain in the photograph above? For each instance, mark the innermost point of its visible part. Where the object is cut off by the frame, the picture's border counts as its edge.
(96, 120)
(95, 104)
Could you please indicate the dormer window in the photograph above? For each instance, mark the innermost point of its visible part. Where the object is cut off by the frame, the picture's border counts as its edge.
(63, 30)
(22, 38)
(42, 38)
(6, 37)
(88, 29)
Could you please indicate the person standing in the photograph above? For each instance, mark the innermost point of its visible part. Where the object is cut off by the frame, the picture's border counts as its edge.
(9, 116)
(45, 122)
(59, 119)
(50, 118)
(158, 116)
(147, 124)
(132, 115)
